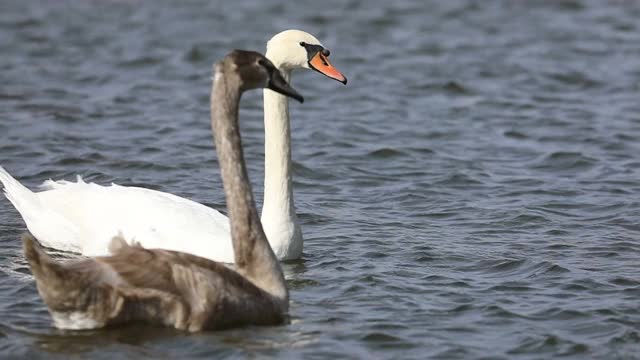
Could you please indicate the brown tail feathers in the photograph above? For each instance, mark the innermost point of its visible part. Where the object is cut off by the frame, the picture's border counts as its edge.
(53, 278)
(39, 262)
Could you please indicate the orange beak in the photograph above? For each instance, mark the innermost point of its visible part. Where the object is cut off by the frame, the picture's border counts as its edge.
(321, 64)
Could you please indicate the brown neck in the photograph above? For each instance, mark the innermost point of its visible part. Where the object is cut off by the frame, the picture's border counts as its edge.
(253, 256)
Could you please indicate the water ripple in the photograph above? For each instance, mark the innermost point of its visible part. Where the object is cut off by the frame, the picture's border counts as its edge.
(469, 194)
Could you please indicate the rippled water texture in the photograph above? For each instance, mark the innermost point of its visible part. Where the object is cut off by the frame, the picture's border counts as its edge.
(472, 193)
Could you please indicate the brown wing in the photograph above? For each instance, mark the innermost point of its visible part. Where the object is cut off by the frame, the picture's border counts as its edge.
(215, 295)
(155, 286)
(156, 269)
(150, 268)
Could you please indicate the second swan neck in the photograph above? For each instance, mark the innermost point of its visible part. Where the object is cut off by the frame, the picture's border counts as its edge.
(253, 256)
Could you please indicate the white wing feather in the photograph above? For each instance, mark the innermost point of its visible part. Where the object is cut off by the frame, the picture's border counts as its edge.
(84, 217)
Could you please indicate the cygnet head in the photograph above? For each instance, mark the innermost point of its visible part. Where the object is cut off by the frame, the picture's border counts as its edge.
(296, 49)
(254, 71)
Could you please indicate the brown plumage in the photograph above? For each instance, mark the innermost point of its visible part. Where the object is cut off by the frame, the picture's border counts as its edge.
(176, 289)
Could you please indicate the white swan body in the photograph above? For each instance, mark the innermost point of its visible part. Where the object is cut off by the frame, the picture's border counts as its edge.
(83, 217)
(79, 216)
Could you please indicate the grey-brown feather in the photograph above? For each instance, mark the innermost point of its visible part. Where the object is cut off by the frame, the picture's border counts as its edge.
(171, 288)
(159, 287)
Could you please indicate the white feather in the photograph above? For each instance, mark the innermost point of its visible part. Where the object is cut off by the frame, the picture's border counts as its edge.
(73, 321)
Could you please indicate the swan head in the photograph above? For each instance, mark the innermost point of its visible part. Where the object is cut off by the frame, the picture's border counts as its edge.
(255, 71)
(296, 49)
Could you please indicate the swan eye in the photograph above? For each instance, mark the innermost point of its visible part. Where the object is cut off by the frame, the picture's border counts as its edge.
(302, 43)
(326, 52)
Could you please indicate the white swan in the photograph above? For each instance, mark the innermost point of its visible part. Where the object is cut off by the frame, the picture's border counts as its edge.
(83, 217)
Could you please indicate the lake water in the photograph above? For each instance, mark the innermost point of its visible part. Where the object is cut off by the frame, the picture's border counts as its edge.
(473, 192)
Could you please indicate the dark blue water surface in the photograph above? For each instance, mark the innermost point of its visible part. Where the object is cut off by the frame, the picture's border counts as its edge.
(474, 192)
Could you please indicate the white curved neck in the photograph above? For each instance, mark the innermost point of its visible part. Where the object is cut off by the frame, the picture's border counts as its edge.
(278, 210)
(278, 192)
